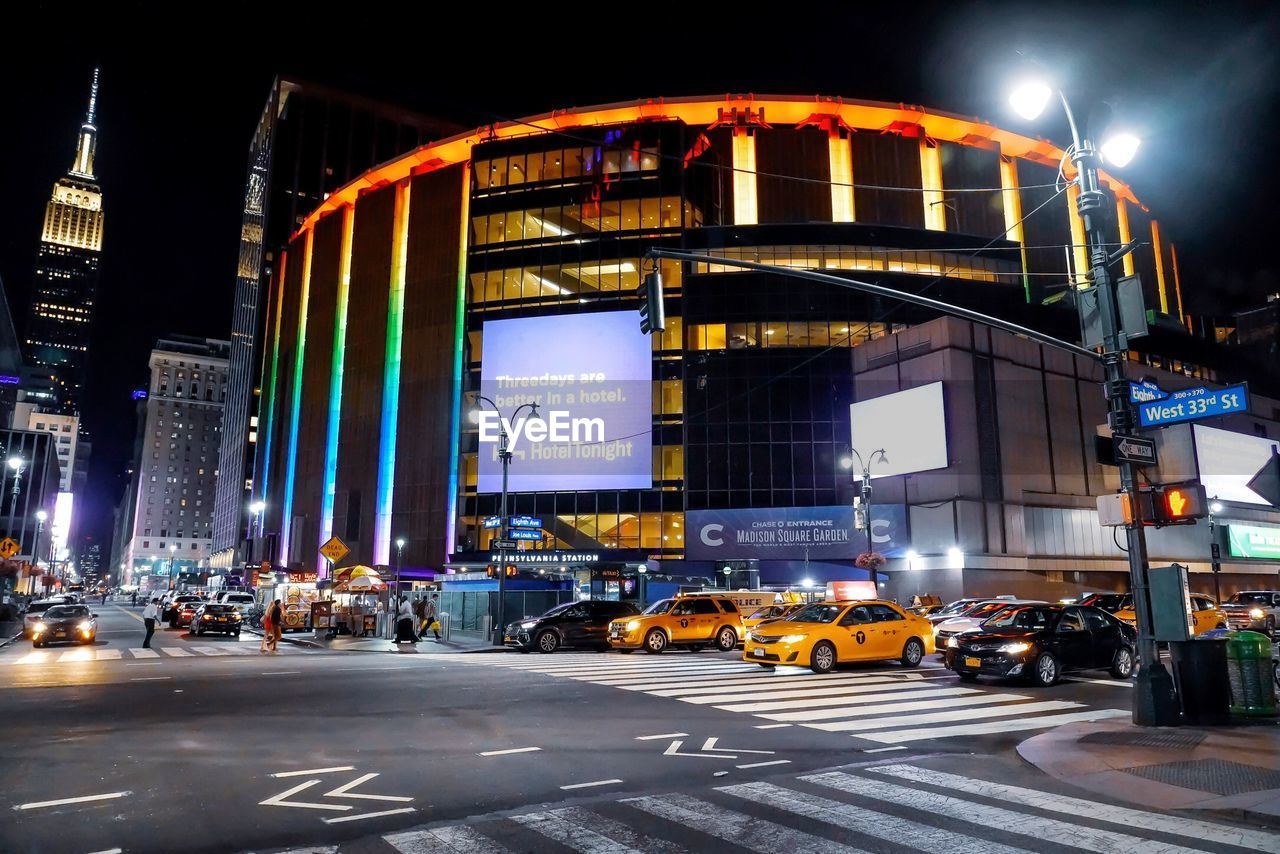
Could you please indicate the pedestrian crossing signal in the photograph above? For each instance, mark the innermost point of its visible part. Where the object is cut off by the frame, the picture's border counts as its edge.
(1179, 504)
(653, 314)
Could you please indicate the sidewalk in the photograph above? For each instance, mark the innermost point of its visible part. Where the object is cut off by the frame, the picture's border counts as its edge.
(1234, 770)
(458, 643)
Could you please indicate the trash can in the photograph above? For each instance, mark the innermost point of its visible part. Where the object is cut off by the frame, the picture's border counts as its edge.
(1249, 667)
(1204, 687)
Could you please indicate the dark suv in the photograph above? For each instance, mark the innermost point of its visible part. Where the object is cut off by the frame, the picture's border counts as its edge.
(581, 624)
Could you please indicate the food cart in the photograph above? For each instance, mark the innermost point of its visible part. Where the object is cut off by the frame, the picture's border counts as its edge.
(358, 594)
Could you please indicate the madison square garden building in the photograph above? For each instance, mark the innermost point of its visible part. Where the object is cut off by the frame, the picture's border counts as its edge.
(501, 267)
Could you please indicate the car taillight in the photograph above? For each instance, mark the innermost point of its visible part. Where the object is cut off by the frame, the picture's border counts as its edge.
(207, 617)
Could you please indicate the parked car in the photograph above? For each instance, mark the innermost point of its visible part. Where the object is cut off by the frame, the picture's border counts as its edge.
(1205, 614)
(182, 609)
(243, 602)
(1255, 610)
(974, 617)
(215, 617)
(958, 607)
(694, 622)
(35, 613)
(1109, 602)
(574, 624)
(825, 634)
(768, 613)
(65, 623)
(1041, 642)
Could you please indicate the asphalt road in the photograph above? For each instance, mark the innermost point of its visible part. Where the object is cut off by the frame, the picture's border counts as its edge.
(212, 746)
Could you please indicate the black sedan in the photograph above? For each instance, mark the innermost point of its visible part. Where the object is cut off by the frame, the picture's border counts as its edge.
(581, 624)
(65, 624)
(215, 617)
(1040, 642)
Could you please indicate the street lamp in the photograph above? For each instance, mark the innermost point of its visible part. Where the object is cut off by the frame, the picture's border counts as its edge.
(504, 454)
(864, 514)
(1155, 703)
(399, 561)
(1215, 551)
(19, 465)
(42, 516)
(173, 551)
(255, 524)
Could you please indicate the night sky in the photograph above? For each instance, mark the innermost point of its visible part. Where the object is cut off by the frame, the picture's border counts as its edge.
(1198, 82)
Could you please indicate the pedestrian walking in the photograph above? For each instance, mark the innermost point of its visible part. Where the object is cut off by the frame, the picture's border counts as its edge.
(150, 614)
(431, 615)
(276, 614)
(133, 598)
(404, 623)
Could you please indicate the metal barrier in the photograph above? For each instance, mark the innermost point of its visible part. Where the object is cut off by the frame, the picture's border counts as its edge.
(473, 612)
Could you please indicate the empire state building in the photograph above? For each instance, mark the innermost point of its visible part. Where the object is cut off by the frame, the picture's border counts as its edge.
(66, 277)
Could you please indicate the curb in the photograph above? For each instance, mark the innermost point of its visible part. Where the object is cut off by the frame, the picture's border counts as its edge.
(317, 645)
(7, 641)
(287, 639)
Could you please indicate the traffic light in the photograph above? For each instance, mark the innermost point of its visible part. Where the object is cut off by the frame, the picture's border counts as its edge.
(653, 314)
(1179, 504)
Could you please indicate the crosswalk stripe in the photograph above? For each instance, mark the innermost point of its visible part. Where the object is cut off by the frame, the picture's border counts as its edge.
(747, 831)
(659, 680)
(785, 692)
(210, 650)
(1206, 831)
(36, 657)
(818, 702)
(992, 726)
(590, 833)
(611, 677)
(1010, 821)
(444, 840)
(140, 652)
(76, 655)
(763, 683)
(108, 654)
(640, 669)
(967, 714)
(978, 699)
(913, 834)
(176, 653)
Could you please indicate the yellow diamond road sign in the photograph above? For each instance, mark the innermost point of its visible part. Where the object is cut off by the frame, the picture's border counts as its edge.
(8, 547)
(333, 551)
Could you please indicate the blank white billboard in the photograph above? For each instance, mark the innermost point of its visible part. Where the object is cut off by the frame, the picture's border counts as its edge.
(911, 427)
(1228, 461)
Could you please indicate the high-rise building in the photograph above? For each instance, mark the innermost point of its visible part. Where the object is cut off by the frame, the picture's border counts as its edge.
(60, 314)
(310, 140)
(173, 484)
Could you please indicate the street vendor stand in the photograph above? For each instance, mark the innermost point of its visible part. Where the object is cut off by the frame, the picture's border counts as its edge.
(358, 594)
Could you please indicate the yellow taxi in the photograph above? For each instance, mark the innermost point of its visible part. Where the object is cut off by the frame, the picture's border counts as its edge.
(769, 612)
(824, 634)
(1205, 613)
(693, 621)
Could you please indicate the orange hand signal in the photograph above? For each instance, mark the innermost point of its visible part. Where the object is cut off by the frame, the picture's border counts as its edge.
(1177, 501)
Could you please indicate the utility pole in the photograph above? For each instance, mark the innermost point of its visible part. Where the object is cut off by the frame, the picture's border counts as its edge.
(1215, 551)
(865, 508)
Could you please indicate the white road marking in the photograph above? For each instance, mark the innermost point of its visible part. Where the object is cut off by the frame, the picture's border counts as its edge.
(591, 833)
(855, 711)
(83, 799)
(360, 816)
(108, 654)
(660, 736)
(673, 749)
(770, 726)
(509, 750)
(969, 714)
(590, 785)
(991, 726)
(344, 791)
(763, 764)
(884, 749)
(109, 851)
(141, 664)
(1115, 683)
(1038, 827)
(710, 744)
(1206, 831)
(314, 771)
(176, 653)
(150, 678)
(903, 831)
(210, 650)
(444, 840)
(280, 672)
(76, 655)
(141, 652)
(762, 683)
(842, 700)
(280, 800)
(783, 693)
(756, 834)
(39, 657)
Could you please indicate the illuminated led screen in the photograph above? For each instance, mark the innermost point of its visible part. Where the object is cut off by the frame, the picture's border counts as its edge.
(590, 375)
(1228, 461)
(910, 426)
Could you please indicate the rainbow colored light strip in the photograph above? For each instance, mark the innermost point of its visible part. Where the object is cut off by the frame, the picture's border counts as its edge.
(459, 335)
(391, 379)
(295, 404)
(270, 402)
(329, 492)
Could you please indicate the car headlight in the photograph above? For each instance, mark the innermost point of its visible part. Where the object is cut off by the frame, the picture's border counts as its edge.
(632, 625)
(952, 643)
(792, 638)
(85, 626)
(1020, 646)
(40, 627)
(528, 624)
(1257, 613)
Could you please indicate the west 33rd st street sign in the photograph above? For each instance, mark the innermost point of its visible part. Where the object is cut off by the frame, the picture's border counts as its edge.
(1192, 403)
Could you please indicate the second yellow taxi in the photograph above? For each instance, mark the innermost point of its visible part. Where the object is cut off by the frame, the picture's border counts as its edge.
(1205, 613)
(825, 634)
(694, 621)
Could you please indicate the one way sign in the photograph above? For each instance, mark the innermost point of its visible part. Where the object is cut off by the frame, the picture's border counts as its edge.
(1133, 449)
